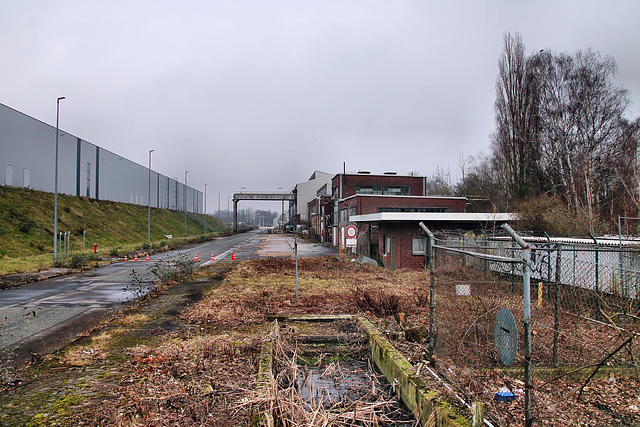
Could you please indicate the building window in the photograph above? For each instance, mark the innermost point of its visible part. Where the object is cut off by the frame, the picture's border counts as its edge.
(397, 191)
(26, 177)
(8, 175)
(421, 210)
(368, 189)
(419, 245)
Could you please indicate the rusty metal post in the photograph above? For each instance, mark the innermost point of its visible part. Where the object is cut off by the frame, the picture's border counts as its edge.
(432, 289)
(556, 303)
(526, 285)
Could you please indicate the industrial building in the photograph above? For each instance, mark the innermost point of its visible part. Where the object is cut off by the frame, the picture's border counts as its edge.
(27, 155)
(385, 210)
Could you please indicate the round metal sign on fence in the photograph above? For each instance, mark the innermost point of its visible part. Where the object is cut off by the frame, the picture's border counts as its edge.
(505, 335)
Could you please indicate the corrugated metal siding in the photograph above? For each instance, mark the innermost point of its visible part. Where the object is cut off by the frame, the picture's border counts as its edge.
(27, 143)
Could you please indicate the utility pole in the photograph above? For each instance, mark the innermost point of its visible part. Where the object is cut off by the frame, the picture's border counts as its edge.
(149, 212)
(55, 209)
(185, 205)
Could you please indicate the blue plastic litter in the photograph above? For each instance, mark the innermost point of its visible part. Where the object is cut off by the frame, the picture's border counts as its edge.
(505, 396)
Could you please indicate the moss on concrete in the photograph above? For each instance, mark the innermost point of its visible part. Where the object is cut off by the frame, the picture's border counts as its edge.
(413, 392)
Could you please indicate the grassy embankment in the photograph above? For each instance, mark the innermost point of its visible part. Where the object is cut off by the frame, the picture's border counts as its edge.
(26, 227)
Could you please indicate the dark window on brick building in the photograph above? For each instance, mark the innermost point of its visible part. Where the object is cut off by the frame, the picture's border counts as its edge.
(368, 189)
(396, 191)
(419, 244)
(420, 210)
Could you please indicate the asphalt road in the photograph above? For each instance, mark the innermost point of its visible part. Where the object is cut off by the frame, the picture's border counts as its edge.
(38, 318)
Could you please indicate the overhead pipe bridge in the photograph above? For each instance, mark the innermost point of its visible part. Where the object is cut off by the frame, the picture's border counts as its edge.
(266, 195)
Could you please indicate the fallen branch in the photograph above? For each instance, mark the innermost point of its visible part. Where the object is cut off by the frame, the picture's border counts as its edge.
(609, 356)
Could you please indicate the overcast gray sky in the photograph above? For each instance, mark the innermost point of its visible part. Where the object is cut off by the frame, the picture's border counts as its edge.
(262, 93)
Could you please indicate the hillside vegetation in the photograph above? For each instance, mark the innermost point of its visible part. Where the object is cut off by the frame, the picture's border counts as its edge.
(26, 226)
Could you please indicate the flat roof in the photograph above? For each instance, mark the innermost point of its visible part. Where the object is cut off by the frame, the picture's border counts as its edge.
(404, 196)
(368, 173)
(433, 216)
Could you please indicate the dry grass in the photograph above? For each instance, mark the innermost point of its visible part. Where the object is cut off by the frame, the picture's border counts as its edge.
(206, 375)
(187, 382)
(133, 318)
(326, 285)
(282, 402)
(97, 348)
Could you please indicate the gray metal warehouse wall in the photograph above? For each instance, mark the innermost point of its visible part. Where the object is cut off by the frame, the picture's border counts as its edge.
(27, 158)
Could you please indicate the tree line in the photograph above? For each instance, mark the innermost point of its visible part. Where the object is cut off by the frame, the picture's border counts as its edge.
(563, 143)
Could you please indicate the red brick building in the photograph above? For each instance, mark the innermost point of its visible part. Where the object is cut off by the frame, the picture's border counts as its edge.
(400, 241)
(319, 211)
(365, 193)
(386, 210)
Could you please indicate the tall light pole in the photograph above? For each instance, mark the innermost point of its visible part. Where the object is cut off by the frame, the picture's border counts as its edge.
(149, 213)
(205, 210)
(185, 205)
(219, 191)
(55, 192)
(280, 189)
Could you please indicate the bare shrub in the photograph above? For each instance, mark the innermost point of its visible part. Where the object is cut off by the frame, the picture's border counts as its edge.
(376, 300)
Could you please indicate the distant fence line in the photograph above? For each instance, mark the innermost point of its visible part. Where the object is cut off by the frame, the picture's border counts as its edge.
(602, 269)
(585, 301)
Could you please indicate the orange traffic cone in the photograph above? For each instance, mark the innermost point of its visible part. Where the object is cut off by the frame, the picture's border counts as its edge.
(212, 257)
(196, 256)
(125, 257)
(136, 258)
(147, 258)
(233, 257)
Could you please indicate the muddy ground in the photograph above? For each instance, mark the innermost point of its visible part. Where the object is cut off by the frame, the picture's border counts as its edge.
(188, 356)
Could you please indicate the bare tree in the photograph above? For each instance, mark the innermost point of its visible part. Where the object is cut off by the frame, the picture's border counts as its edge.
(481, 183)
(580, 112)
(515, 141)
(622, 195)
(440, 182)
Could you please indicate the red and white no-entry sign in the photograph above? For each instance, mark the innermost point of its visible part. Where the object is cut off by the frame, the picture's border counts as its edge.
(352, 231)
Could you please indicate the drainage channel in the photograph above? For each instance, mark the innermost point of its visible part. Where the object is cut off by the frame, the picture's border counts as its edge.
(340, 370)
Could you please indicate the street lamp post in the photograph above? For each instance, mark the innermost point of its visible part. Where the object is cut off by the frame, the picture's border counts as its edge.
(205, 210)
(55, 209)
(185, 205)
(280, 189)
(219, 191)
(149, 200)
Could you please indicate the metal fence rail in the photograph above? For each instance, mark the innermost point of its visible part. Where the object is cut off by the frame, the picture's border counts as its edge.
(580, 300)
(600, 269)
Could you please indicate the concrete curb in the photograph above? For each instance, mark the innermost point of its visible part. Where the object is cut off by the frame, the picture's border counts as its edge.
(412, 390)
(394, 366)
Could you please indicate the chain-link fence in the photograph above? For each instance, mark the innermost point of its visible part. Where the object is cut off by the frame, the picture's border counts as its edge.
(584, 306)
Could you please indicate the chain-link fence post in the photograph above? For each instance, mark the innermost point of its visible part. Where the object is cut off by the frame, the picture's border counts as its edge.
(556, 303)
(463, 244)
(485, 243)
(597, 279)
(432, 289)
(526, 290)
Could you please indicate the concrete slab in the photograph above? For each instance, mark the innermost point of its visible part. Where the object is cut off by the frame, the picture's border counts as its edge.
(283, 246)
